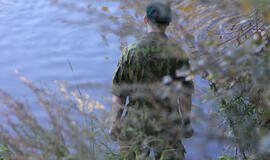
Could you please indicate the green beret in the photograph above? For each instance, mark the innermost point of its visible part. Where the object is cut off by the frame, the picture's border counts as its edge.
(159, 12)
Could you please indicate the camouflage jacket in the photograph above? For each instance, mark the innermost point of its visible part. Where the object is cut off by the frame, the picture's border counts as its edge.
(148, 61)
(140, 71)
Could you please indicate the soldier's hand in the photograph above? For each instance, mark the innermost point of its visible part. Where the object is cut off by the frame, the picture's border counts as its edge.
(187, 128)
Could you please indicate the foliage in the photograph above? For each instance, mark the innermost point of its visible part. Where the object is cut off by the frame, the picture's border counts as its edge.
(4, 151)
(225, 157)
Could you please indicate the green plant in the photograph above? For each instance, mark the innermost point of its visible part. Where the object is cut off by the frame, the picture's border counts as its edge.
(226, 157)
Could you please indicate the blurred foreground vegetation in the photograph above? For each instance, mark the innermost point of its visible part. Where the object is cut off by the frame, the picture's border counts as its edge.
(228, 44)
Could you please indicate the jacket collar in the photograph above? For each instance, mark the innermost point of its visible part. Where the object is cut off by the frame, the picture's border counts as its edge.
(157, 35)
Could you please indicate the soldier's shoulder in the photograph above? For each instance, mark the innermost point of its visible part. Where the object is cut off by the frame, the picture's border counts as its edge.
(175, 45)
(177, 48)
(137, 45)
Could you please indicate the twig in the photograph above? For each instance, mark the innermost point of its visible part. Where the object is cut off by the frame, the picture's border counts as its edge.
(71, 68)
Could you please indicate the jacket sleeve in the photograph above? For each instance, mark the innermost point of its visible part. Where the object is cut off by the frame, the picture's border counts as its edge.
(120, 77)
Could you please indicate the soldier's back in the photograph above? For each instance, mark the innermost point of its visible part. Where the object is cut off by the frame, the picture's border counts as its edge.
(154, 57)
(139, 75)
(146, 62)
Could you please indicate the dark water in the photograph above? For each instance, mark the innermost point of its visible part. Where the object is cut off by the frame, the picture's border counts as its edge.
(37, 39)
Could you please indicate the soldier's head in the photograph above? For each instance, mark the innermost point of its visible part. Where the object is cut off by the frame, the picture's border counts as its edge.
(158, 16)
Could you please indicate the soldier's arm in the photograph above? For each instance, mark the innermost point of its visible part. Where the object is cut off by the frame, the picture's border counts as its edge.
(119, 94)
(185, 106)
(186, 96)
(117, 111)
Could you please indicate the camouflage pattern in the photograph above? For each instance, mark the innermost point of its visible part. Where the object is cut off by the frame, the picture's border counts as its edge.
(147, 74)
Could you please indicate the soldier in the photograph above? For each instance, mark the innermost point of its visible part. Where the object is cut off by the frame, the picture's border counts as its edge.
(152, 73)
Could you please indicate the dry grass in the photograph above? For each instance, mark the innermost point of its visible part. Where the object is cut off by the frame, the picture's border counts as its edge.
(71, 130)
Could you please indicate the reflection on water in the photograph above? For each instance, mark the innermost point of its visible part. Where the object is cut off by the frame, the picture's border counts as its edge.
(37, 39)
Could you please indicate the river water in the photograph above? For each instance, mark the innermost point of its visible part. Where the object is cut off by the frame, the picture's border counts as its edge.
(37, 39)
